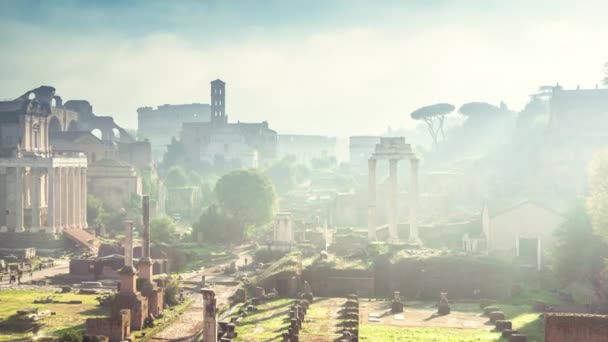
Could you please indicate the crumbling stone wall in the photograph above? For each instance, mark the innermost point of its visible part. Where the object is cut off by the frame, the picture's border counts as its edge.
(575, 327)
(340, 283)
(136, 303)
(459, 275)
(116, 328)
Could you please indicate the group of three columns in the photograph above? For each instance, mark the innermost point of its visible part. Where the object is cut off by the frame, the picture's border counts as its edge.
(393, 200)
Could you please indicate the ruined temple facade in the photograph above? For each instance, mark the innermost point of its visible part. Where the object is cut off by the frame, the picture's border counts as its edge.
(41, 190)
(50, 159)
(220, 142)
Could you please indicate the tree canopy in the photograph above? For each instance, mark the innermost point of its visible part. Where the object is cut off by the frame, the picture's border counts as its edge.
(163, 230)
(176, 177)
(433, 116)
(432, 110)
(283, 175)
(598, 193)
(480, 109)
(577, 253)
(247, 196)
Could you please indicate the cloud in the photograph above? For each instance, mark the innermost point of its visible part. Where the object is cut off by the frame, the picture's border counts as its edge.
(351, 79)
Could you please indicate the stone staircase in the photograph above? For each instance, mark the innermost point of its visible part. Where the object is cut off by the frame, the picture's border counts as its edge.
(83, 239)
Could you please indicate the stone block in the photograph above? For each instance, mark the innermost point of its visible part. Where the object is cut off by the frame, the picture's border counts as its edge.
(503, 325)
(488, 309)
(496, 316)
(396, 307)
(519, 338)
(508, 332)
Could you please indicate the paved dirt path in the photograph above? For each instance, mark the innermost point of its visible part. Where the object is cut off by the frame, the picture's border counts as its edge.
(62, 266)
(190, 323)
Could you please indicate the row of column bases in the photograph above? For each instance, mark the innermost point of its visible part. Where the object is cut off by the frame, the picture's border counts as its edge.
(393, 200)
(54, 197)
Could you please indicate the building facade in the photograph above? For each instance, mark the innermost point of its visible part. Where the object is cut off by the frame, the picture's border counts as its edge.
(159, 125)
(40, 190)
(218, 141)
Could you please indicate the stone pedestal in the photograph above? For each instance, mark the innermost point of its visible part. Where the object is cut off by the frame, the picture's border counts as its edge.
(209, 316)
(443, 308)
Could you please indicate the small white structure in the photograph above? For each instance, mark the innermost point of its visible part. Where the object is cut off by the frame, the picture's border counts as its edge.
(283, 228)
(525, 231)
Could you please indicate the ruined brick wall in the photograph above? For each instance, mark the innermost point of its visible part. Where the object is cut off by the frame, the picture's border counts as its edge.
(576, 327)
(136, 303)
(458, 275)
(156, 302)
(340, 283)
(116, 328)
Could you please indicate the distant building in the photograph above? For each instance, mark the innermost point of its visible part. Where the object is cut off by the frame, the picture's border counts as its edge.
(578, 128)
(304, 148)
(162, 124)
(220, 142)
(525, 231)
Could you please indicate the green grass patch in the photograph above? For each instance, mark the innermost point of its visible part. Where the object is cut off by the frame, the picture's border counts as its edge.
(373, 332)
(266, 324)
(68, 316)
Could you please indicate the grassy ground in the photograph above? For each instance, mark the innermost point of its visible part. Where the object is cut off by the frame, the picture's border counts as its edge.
(322, 319)
(267, 324)
(371, 332)
(68, 316)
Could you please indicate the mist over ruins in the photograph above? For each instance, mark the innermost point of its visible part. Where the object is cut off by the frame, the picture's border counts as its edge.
(303, 171)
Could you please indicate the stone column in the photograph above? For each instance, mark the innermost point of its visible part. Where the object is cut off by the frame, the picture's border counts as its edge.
(209, 316)
(128, 245)
(414, 238)
(393, 198)
(77, 198)
(128, 278)
(371, 199)
(50, 215)
(35, 198)
(19, 173)
(71, 180)
(65, 199)
(83, 197)
(145, 264)
(59, 199)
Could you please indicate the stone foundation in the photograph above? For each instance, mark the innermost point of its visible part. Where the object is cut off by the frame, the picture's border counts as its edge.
(117, 328)
(138, 305)
(575, 327)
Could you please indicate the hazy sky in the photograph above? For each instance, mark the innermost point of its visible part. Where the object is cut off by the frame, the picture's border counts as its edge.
(331, 67)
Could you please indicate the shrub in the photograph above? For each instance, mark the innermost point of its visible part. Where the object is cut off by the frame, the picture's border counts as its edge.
(172, 292)
(70, 336)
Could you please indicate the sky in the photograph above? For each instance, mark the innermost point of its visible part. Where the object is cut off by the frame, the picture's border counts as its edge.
(334, 67)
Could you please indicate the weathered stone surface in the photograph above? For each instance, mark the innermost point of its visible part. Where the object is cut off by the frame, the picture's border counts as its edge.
(503, 325)
(520, 338)
(575, 327)
(496, 316)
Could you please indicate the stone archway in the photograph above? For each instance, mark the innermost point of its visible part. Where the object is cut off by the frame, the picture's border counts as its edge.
(54, 125)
